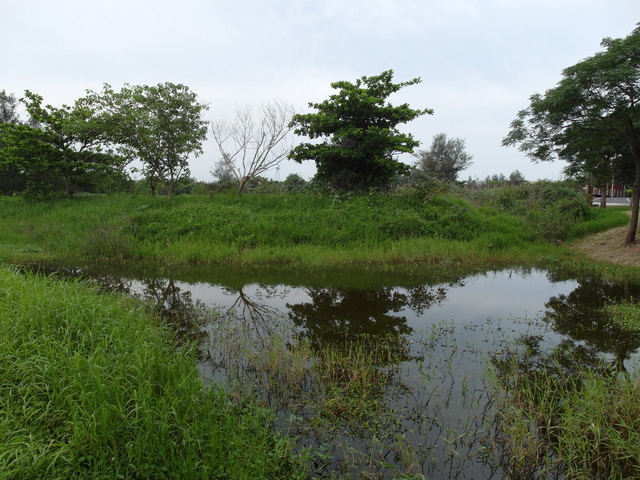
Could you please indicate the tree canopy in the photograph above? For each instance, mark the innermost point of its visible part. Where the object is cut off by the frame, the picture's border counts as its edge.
(8, 108)
(597, 98)
(445, 159)
(67, 151)
(358, 129)
(160, 125)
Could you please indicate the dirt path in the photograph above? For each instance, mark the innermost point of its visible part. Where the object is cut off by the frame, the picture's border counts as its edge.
(609, 247)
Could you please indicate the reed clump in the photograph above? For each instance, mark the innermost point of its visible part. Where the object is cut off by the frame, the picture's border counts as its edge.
(92, 389)
(569, 421)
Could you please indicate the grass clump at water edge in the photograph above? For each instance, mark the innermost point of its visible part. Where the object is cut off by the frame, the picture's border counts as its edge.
(560, 418)
(91, 389)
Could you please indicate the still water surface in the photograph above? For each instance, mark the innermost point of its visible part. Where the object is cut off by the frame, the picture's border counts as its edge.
(431, 413)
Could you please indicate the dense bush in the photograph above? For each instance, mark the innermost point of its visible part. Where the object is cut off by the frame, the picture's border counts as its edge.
(411, 225)
(550, 208)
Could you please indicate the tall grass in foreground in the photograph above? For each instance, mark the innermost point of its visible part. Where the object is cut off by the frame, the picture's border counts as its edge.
(91, 389)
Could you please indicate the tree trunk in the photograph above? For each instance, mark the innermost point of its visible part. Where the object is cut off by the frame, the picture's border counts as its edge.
(241, 185)
(603, 196)
(635, 199)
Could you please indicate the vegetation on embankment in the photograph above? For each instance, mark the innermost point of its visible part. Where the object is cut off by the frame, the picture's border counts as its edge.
(513, 226)
(92, 389)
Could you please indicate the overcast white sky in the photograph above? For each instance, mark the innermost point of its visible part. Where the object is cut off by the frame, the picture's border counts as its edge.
(479, 60)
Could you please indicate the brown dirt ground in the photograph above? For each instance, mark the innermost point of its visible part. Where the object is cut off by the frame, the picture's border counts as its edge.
(609, 247)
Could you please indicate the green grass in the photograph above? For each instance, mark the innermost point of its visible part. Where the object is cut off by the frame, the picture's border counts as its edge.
(625, 316)
(90, 388)
(268, 229)
(600, 220)
(578, 422)
(565, 413)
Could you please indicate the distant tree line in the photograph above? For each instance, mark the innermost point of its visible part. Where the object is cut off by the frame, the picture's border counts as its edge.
(96, 144)
(591, 120)
(89, 145)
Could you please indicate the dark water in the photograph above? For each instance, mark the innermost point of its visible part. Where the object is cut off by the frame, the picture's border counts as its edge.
(430, 412)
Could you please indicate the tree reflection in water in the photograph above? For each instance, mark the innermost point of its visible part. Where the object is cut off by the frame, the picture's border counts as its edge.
(578, 316)
(176, 309)
(540, 386)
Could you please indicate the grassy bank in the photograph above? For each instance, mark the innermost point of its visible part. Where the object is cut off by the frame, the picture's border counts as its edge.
(92, 389)
(281, 229)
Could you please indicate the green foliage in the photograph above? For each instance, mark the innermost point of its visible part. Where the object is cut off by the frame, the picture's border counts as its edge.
(625, 316)
(284, 221)
(268, 228)
(67, 152)
(161, 125)
(550, 208)
(92, 389)
(27, 160)
(359, 132)
(588, 119)
(558, 418)
(294, 183)
(598, 220)
(8, 108)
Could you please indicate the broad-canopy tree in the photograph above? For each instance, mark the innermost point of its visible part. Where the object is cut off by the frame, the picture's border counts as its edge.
(597, 95)
(252, 144)
(68, 150)
(445, 159)
(159, 125)
(358, 129)
(27, 161)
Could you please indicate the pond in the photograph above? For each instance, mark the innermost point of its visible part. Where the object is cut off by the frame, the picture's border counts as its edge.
(382, 375)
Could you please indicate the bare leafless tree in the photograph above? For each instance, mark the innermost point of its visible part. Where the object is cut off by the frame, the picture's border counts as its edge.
(252, 144)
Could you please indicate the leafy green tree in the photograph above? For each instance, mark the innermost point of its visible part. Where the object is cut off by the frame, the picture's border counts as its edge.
(359, 132)
(516, 178)
(596, 95)
(445, 159)
(78, 139)
(294, 183)
(159, 125)
(64, 153)
(11, 178)
(224, 179)
(27, 161)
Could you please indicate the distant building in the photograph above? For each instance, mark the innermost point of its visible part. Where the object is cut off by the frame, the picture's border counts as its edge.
(615, 191)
